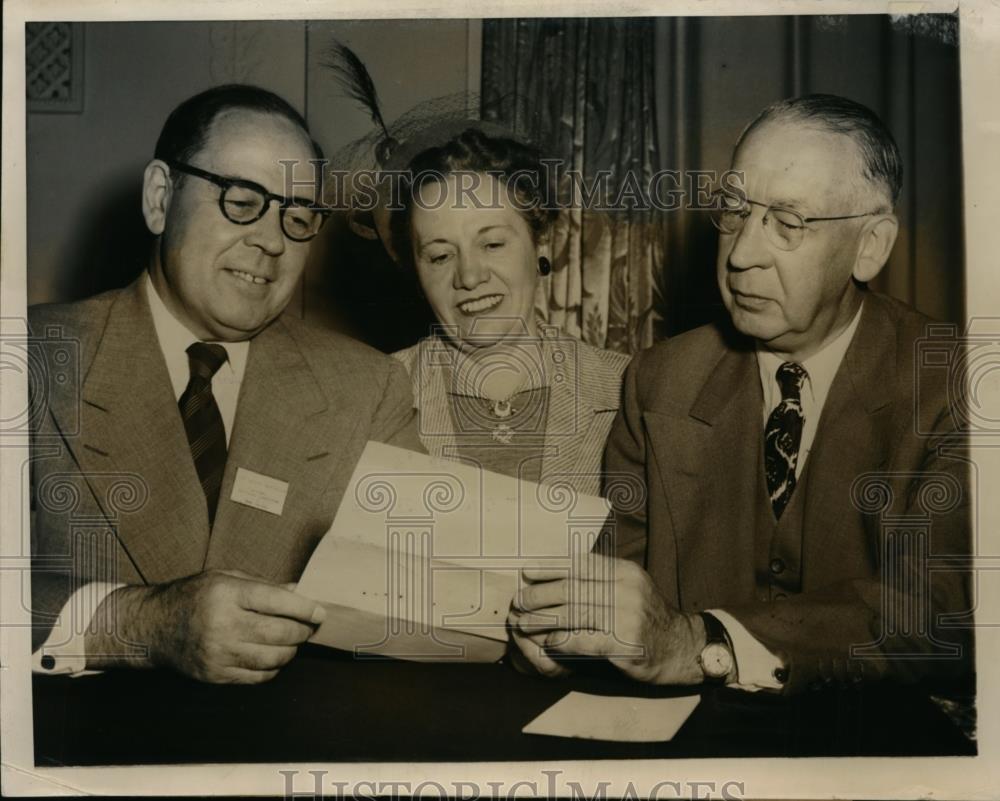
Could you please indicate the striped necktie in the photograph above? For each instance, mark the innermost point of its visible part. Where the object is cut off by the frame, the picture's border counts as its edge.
(206, 433)
(783, 436)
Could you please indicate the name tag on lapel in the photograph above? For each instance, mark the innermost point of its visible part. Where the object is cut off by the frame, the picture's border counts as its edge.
(259, 491)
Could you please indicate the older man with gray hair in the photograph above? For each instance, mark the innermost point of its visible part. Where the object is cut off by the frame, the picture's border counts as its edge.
(778, 448)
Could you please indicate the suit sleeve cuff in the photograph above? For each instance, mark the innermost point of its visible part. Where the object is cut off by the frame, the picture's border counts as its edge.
(756, 667)
(63, 653)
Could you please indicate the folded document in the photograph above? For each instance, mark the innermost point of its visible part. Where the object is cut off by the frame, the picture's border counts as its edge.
(423, 557)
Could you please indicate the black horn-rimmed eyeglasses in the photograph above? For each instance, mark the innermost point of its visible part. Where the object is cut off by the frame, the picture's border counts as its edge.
(244, 202)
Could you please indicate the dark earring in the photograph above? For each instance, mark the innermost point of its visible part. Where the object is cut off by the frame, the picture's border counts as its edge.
(544, 265)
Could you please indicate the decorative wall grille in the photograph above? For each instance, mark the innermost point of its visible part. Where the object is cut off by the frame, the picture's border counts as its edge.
(54, 66)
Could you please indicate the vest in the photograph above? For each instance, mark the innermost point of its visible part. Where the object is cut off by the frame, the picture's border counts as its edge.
(778, 543)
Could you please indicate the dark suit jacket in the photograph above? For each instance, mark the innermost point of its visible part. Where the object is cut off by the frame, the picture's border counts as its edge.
(691, 429)
(115, 493)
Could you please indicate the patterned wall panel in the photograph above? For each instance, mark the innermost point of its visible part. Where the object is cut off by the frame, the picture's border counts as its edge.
(54, 66)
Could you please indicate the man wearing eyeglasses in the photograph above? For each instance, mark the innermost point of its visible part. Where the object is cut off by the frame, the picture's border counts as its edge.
(215, 436)
(798, 490)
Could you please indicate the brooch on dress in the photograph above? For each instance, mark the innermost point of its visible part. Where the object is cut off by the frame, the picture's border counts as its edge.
(501, 410)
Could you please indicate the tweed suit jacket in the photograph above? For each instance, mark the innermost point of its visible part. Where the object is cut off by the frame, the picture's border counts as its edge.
(115, 494)
(691, 430)
(584, 395)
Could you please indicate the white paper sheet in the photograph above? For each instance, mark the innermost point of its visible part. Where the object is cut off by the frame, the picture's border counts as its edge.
(617, 718)
(423, 557)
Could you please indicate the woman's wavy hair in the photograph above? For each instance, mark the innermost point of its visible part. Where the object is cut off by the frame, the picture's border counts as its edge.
(513, 163)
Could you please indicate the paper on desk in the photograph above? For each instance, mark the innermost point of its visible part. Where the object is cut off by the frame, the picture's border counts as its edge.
(423, 557)
(617, 718)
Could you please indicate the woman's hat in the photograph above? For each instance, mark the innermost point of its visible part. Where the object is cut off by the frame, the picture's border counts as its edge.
(391, 147)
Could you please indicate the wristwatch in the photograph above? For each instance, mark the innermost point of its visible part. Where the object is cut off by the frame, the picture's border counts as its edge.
(716, 658)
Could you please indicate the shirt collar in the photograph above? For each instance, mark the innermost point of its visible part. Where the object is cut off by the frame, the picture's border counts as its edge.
(175, 339)
(465, 375)
(821, 367)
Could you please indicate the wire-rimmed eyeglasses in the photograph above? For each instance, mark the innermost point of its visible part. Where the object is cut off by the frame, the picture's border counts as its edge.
(784, 228)
(244, 202)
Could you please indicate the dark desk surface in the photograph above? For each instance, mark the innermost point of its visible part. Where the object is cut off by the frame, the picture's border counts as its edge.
(327, 707)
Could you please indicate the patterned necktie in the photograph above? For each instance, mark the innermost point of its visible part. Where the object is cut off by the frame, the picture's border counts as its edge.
(202, 421)
(783, 435)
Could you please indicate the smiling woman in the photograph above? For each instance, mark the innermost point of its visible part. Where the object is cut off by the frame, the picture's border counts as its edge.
(492, 386)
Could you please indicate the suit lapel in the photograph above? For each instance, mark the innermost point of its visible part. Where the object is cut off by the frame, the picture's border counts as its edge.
(577, 399)
(436, 429)
(283, 429)
(707, 459)
(131, 425)
(853, 433)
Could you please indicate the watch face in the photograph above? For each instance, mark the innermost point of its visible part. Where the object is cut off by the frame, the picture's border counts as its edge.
(716, 660)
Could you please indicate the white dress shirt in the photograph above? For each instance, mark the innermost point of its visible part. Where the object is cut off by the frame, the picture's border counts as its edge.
(63, 649)
(175, 339)
(821, 368)
(755, 664)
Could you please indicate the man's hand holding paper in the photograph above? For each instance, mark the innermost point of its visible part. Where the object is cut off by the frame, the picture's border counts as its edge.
(607, 608)
(218, 626)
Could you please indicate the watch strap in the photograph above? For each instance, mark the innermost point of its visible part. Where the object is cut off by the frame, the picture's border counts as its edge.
(714, 630)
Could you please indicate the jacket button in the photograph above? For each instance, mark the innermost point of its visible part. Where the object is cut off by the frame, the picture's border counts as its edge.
(781, 674)
(777, 566)
(48, 662)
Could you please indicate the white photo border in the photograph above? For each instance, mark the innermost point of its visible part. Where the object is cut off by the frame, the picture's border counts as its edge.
(890, 778)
